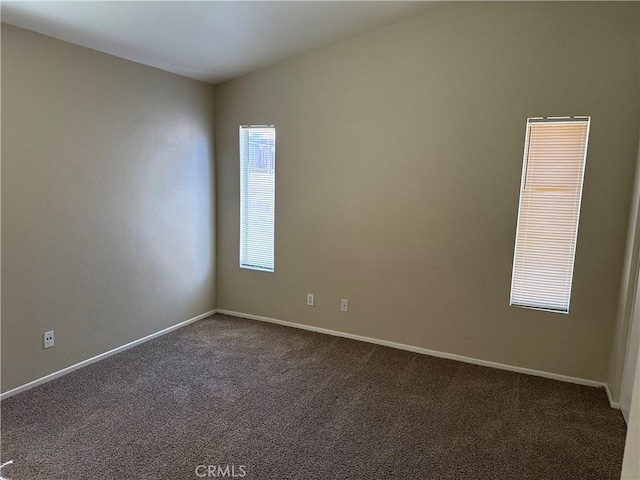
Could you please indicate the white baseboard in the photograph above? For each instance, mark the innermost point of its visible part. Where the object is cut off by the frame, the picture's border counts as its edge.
(425, 351)
(102, 356)
(613, 404)
(400, 346)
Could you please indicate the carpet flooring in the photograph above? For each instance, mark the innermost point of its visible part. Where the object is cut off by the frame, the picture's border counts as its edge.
(233, 398)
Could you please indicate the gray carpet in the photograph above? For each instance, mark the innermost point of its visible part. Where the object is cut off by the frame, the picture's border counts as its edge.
(286, 404)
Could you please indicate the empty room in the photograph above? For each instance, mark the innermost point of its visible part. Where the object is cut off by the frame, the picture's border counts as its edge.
(320, 240)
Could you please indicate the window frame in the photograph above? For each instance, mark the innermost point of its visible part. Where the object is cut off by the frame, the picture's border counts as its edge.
(244, 193)
(523, 182)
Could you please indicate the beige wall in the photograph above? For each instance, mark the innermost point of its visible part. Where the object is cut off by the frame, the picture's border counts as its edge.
(399, 158)
(107, 202)
(628, 286)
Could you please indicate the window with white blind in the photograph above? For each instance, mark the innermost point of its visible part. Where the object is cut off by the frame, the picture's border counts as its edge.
(257, 196)
(550, 195)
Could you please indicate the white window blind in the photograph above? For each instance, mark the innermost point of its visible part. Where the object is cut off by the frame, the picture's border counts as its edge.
(257, 196)
(548, 215)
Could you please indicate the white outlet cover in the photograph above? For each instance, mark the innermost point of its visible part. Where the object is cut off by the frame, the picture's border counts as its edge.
(310, 299)
(344, 305)
(48, 339)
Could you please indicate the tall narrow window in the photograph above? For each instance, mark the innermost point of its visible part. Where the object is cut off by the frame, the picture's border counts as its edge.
(257, 196)
(550, 194)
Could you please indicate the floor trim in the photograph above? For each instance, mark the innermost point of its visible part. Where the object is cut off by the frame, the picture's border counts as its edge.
(425, 351)
(613, 404)
(102, 356)
(400, 346)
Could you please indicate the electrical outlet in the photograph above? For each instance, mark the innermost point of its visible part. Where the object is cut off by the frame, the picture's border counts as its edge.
(310, 299)
(344, 305)
(48, 339)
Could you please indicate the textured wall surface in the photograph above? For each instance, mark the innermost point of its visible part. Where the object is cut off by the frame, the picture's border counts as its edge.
(107, 202)
(399, 156)
(631, 463)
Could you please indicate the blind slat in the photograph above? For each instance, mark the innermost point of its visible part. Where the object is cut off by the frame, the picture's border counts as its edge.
(548, 214)
(257, 197)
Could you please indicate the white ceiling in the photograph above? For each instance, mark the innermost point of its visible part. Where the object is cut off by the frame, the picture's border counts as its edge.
(210, 41)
